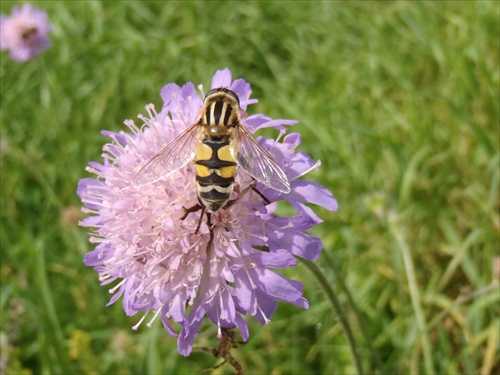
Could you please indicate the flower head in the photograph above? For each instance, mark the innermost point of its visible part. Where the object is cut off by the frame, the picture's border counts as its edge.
(225, 269)
(25, 33)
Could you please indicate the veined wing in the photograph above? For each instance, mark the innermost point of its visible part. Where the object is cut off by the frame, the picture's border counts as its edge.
(258, 162)
(170, 159)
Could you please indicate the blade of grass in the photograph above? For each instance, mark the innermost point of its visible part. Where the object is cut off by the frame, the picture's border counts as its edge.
(491, 349)
(54, 336)
(414, 293)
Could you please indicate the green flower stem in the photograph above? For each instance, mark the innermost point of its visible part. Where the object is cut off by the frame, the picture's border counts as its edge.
(375, 363)
(338, 310)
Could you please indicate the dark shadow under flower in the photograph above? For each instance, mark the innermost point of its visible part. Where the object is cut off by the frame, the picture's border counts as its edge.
(223, 271)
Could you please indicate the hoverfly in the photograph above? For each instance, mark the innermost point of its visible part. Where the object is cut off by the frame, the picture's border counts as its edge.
(217, 142)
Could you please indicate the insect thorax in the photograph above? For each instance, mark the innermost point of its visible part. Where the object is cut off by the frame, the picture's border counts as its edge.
(220, 111)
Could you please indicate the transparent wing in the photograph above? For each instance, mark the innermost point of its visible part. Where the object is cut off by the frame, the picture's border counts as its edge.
(170, 159)
(258, 162)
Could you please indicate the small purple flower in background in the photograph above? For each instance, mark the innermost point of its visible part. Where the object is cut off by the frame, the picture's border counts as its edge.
(163, 261)
(25, 33)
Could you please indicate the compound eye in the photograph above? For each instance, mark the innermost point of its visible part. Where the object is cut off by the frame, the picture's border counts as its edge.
(224, 90)
(233, 94)
(211, 92)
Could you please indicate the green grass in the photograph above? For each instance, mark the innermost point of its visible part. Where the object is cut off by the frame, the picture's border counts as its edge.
(400, 101)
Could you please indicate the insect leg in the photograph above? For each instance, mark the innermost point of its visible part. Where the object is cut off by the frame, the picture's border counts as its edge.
(194, 208)
(253, 187)
(209, 223)
(203, 208)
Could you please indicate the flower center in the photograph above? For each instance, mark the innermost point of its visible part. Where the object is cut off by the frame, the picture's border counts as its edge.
(29, 35)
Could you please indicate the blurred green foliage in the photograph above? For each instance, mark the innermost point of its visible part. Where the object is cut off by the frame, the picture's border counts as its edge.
(399, 100)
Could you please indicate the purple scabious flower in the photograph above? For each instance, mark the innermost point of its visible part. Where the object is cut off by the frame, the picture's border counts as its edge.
(161, 263)
(25, 33)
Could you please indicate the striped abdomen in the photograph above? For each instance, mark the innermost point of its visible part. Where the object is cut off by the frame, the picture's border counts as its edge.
(215, 171)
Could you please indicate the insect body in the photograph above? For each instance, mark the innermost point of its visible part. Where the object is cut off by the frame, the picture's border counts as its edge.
(218, 142)
(215, 166)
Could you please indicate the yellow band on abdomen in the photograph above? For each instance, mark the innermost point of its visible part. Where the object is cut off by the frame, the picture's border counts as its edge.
(202, 171)
(224, 154)
(227, 172)
(203, 152)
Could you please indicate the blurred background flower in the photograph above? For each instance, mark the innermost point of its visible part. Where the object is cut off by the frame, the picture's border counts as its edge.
(25, 33)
